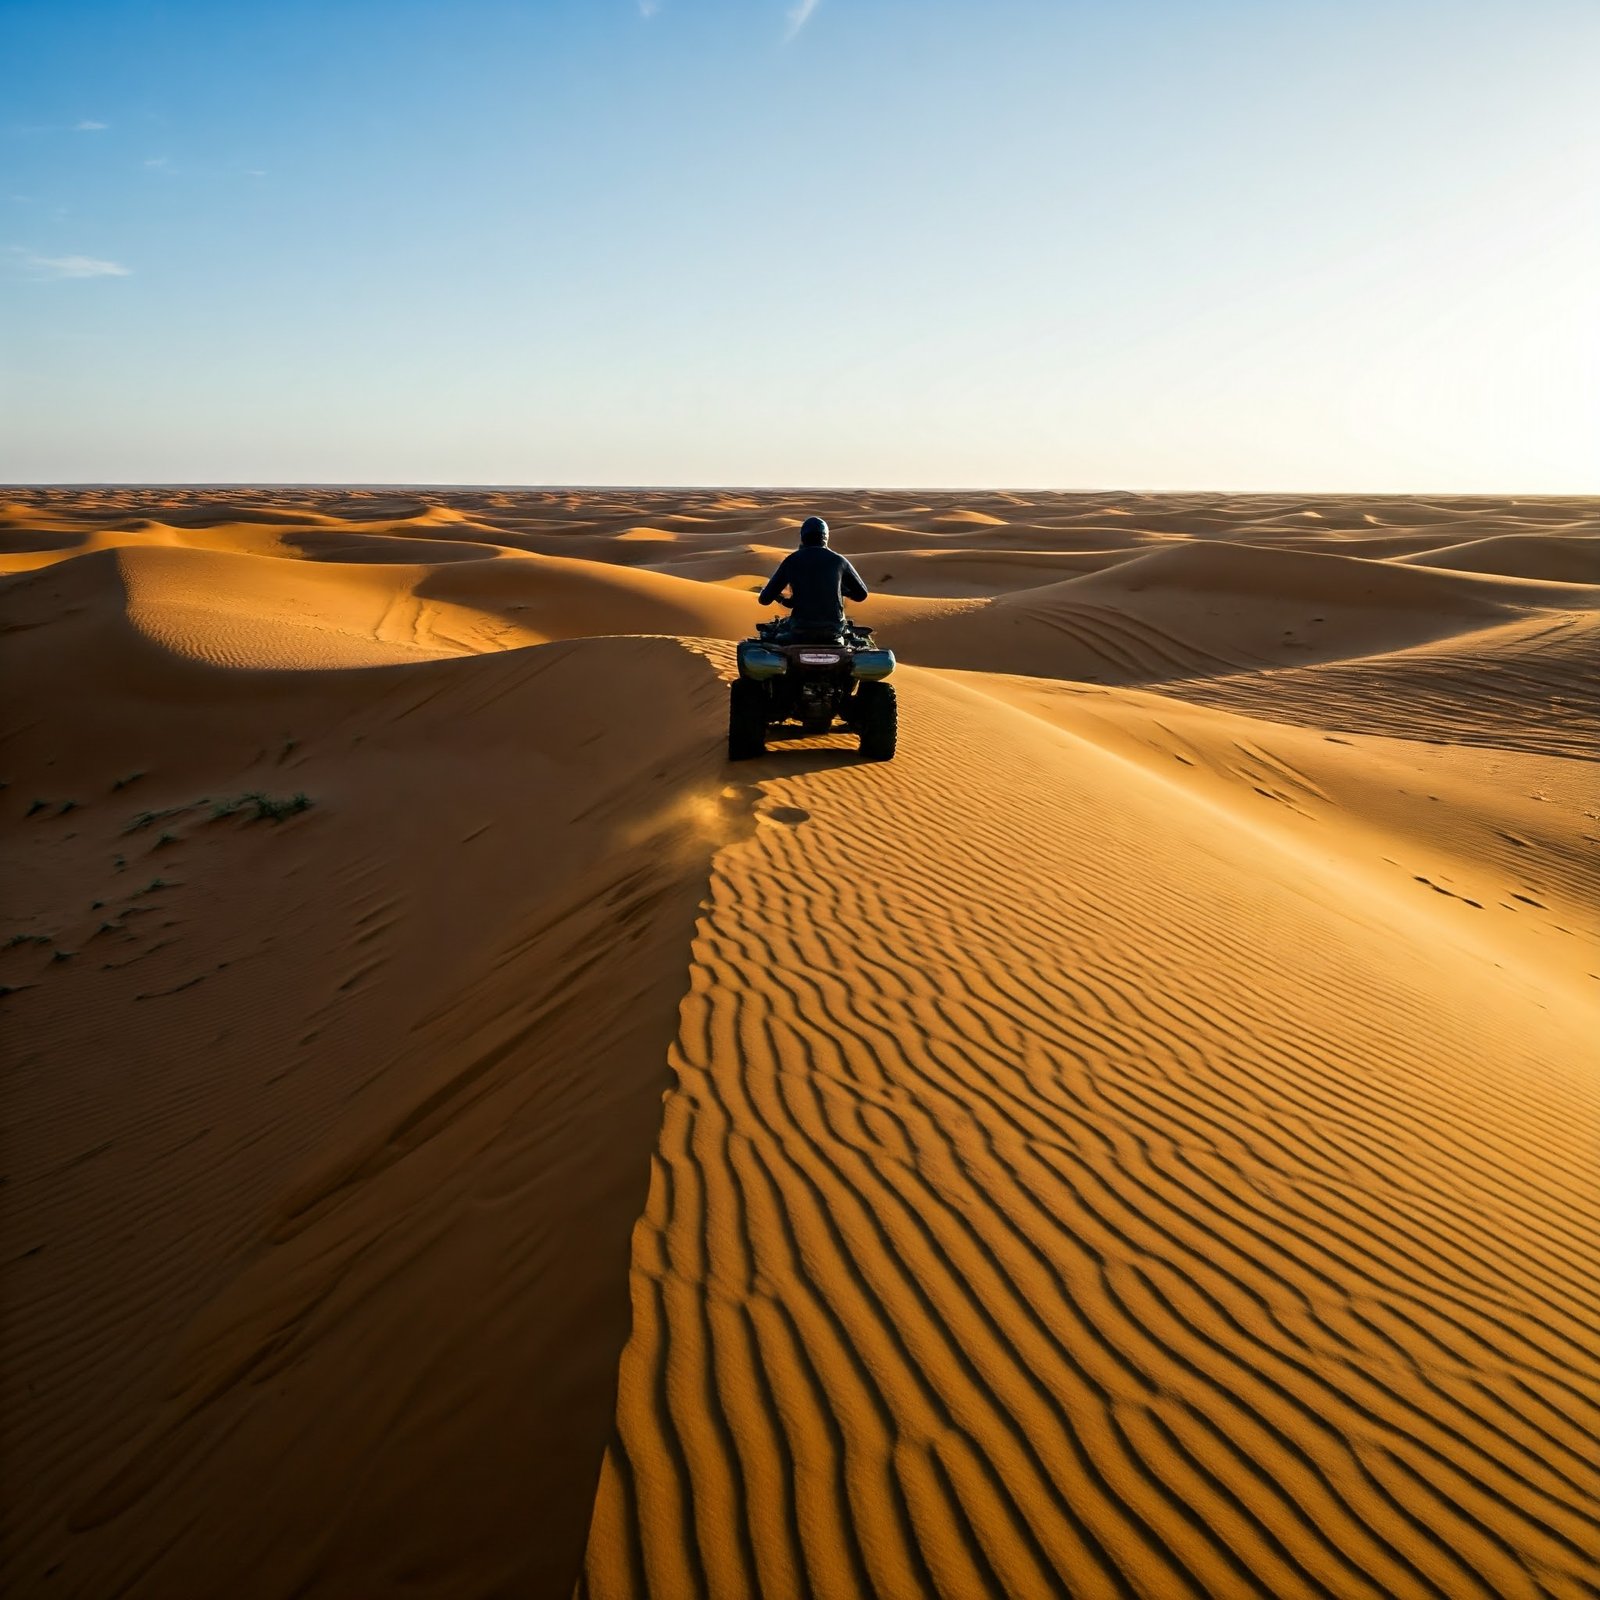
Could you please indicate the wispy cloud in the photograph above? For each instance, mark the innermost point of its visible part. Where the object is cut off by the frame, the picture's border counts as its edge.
(648, 8)
(158, 163)
(66, 266)
(89, 126)
(799, 16)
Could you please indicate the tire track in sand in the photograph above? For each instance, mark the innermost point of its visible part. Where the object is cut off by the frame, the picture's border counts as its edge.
(1061, 1194)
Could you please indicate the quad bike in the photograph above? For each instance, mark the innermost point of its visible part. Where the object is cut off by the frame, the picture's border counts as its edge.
(815, 678)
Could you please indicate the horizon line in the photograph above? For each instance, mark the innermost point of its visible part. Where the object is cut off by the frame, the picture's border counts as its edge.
(425, 485)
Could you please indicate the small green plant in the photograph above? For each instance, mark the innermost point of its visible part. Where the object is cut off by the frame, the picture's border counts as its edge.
(154, 884)
(122, 783)
(166, 838)
(38, 805)
(118, 863)
(263, 807)
(27, 938)
(144, 819)
(66, 806)
(63, 955)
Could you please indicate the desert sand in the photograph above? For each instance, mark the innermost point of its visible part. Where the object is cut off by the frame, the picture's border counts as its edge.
(462, 1137)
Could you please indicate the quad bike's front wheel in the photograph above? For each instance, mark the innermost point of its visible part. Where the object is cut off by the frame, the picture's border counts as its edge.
(878, 719)
(747, 720)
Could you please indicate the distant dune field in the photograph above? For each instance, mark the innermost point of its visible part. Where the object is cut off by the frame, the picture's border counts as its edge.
(464, 1138)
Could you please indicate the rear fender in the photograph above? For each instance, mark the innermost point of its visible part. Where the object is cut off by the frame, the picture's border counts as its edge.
(758, 662)
(870, 666)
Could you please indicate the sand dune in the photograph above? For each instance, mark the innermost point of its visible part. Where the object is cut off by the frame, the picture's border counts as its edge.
(1532, 685)
(1223, 567)
(1023, 1215)
(326, 1133)
(963, 574)
(1566, 559)
(1142, 1141)
(1207, 609)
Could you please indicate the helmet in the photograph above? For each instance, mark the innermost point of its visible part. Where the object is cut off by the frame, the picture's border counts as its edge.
(813, 531)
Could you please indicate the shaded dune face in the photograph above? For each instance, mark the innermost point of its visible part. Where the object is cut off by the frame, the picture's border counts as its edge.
(325, 1135)
(464, 1138)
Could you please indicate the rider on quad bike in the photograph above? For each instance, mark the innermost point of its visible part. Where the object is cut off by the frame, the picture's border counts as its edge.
(819, 581)
(814, 667)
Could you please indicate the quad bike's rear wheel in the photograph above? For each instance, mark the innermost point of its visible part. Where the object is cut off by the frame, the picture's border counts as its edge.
(878, 719)
(747, 720)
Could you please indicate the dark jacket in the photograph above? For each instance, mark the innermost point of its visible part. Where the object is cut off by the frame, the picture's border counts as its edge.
(820, 581)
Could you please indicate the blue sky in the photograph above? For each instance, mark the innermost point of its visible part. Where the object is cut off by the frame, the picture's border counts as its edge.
(1304, 244)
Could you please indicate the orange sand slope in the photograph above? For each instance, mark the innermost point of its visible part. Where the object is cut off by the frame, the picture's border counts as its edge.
(1145, 1140)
